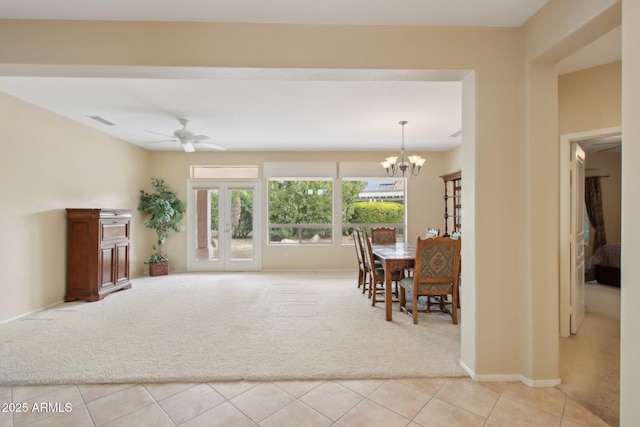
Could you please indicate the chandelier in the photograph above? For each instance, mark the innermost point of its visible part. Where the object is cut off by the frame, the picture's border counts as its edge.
(413, 165)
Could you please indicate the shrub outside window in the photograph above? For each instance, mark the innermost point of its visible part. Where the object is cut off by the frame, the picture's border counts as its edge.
(373, 202)
(300, 211)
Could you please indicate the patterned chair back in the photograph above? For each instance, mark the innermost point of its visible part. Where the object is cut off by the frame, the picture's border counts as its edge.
(438, 260)
(383, 235)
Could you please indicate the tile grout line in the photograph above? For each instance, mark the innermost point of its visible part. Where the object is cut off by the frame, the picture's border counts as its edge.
(493, 408)
(228, 400)
(93, 422)
(157, 402)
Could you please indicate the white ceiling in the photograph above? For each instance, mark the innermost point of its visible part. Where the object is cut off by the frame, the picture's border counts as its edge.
(251, 109)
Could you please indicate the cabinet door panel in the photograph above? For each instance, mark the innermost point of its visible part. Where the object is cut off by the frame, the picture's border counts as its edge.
(107, 256)
(122, 262)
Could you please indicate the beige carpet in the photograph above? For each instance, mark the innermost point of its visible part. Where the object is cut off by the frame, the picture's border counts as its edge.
(590, 360)
(227, 326)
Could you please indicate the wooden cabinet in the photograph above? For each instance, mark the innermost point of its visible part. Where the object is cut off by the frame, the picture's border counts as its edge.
(97, 252)
(452, 202)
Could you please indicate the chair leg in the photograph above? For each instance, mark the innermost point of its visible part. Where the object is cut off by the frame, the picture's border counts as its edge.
(414, 309)
(403, 299)
(364, 282)
(374, 293)
(454, 309)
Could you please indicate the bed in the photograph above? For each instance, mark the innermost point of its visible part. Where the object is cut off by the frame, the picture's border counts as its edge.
(604, 265)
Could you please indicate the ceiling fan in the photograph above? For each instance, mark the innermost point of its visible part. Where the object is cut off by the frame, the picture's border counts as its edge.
(188, 139)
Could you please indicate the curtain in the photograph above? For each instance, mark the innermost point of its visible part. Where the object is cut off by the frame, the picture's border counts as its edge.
(593, 202)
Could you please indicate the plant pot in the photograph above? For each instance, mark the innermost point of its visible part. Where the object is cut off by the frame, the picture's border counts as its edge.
(159, 269)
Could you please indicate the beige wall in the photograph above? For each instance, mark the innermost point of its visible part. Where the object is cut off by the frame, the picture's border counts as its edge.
(590, 99)
(453, 160)
(49, 163)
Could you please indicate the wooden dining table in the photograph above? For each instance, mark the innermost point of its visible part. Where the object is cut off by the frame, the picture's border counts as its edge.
(393, 257)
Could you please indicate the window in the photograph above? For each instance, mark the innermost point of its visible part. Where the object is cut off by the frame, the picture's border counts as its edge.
(372, 202)
(224, 172)
(300, 211)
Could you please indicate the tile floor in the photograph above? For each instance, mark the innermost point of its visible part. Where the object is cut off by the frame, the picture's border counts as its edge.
(388, 403)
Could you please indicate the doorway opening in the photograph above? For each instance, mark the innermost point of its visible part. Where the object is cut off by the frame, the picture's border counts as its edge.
(572, 293)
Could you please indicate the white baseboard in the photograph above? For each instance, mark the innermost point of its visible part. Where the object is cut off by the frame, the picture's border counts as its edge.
(510, 377)
(20, 316)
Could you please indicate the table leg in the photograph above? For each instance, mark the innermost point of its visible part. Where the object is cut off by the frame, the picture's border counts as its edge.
(388, 291)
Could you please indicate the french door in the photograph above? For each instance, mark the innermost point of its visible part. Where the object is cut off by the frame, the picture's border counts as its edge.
(223, 225)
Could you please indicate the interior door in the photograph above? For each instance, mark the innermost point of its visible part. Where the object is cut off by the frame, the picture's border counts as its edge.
(577, 294)
(223, 225)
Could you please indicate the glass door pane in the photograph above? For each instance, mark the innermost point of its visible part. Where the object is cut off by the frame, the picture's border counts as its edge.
(241, 223)
(206, 229)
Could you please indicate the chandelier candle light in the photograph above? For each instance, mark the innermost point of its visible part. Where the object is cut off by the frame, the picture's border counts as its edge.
(413, 165)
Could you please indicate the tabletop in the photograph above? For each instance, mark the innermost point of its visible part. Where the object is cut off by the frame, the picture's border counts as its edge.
(399, 251)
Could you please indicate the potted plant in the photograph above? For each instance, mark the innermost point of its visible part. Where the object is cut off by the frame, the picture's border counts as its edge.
(164, 211)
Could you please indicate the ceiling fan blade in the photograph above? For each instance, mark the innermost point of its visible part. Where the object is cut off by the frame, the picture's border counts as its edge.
(607, 149)
(162, 140)
(188, 148)
(161, 134)
(213, 146)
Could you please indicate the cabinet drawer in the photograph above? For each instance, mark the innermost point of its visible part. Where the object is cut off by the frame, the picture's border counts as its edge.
(111, 230)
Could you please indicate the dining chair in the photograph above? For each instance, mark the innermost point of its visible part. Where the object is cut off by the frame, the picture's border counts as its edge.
(362, 268)
(364, 264)
(432, 232)
(436, 274)
(383, 235)
(377, 274)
